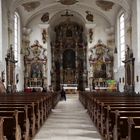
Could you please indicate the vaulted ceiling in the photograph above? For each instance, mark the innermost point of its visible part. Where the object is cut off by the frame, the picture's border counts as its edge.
(108, 9)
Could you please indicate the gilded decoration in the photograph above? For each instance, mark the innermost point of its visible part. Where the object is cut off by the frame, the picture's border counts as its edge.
(91, 35)
(68, 55)
(101, 61)
(104, 5)
(30, 6)
(35, 61)
(68, 2)
(44, 36)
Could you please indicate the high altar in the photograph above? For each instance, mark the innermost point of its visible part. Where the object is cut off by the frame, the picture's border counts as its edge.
(68, 56)
(35, 61)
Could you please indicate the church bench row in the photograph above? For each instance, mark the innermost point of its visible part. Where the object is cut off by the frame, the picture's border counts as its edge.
(10, 128)
(97, 113)
(133, 128)
(117, 125)
(39, 107)
(102, 118)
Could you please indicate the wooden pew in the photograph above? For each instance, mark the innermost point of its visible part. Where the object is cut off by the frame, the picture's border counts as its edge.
(39, 108)
(119, 123)
(105, 114)
(133, 128)
(31, 114)
(10, 127)
(23, 119)
(97, 113)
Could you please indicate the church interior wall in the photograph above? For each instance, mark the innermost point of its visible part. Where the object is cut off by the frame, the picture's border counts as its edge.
(6, 42)
(133, 41)
(99, 32)
(36, 27)
(4, 37)
(136, 41)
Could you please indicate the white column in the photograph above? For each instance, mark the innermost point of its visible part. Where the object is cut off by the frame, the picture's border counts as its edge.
(48, 47)
(90, 44)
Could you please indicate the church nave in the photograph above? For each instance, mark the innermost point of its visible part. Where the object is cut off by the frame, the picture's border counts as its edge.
(68, 121)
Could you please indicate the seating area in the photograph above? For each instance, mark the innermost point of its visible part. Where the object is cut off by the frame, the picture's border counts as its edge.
(22, 115)
(116, 115)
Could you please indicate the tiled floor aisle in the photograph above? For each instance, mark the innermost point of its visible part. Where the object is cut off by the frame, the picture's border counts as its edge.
(68, 121)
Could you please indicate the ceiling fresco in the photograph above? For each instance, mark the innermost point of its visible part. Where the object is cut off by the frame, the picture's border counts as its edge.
(86, 9)
(104, 5)
(29, 6)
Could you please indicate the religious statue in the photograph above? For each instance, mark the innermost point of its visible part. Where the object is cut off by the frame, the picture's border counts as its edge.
(44, 36)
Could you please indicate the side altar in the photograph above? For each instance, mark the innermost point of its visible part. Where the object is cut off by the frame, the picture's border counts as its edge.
(35, 61)
(101, 66)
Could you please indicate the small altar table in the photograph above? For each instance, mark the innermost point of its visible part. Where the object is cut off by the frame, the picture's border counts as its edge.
(70, 88)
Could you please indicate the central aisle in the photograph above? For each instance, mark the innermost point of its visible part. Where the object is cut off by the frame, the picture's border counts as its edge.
(68, 121)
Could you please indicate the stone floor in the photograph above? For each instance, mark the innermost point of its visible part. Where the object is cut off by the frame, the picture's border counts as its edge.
(68, 121)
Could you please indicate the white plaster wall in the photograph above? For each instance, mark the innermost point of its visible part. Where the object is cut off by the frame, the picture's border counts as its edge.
(99, 30)
(0, 30)
(119, 70)
(99, 33)
(136, 40)
(36, 34)
(4, 38)
(20, 71)
(5, 46)
(134, 44)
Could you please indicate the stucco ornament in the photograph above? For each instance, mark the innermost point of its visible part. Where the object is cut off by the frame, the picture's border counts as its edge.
(68, 2)
(30, 6)
(104, 5)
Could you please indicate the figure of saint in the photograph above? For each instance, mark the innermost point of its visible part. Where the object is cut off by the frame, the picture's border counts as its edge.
(44, 36)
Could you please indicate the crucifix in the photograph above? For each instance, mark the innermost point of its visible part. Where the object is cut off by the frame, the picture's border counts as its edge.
(67, 14)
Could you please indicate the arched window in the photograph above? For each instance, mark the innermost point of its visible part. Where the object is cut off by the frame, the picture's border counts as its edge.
(121, 38)
(0, 31)
(17, 37)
